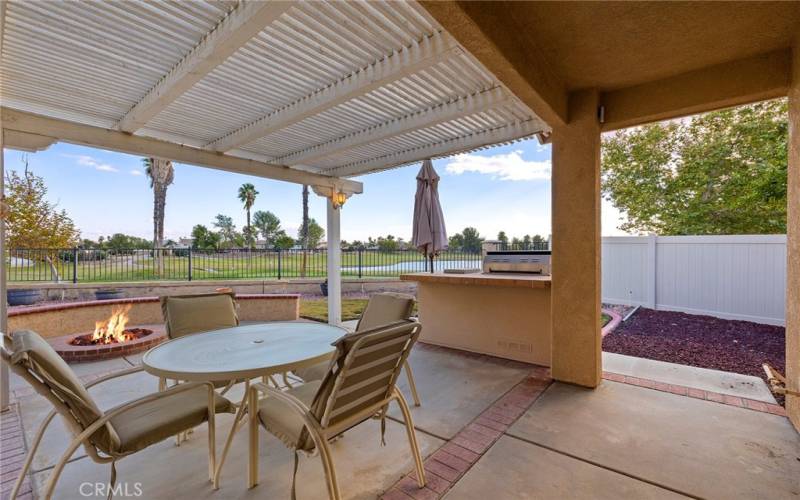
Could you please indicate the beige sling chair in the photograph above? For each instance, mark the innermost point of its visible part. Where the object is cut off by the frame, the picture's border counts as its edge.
(382, 309)
(359, 385)
(107, 436)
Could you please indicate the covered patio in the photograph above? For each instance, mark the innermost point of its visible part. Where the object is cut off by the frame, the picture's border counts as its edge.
(318, 93)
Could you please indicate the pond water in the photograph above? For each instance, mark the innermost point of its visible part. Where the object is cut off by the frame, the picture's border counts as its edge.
(415, 266)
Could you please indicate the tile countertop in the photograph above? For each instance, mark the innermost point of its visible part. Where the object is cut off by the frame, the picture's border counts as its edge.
(480, 279)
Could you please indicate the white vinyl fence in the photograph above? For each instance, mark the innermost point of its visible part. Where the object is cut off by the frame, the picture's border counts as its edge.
(733, 277)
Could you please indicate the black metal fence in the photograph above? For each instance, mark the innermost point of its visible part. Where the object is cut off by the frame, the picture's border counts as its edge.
(120, 265)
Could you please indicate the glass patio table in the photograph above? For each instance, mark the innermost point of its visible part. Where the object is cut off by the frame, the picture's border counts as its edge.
(242, 353)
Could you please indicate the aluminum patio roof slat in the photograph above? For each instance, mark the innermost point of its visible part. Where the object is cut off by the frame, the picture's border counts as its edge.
(335, 83)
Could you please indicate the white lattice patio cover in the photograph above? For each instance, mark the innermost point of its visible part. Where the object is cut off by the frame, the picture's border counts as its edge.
(429, 233)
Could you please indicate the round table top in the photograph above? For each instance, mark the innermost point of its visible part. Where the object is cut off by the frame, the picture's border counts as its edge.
(247, 351)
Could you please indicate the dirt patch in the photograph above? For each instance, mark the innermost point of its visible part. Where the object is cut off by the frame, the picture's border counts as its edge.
(702, 341)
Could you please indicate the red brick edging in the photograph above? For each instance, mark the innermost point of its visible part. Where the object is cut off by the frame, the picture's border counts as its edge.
(453, 459)
(12, 448)
(682, 390)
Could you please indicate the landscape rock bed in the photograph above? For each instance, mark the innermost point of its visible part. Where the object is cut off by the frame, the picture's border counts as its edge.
(702, 341)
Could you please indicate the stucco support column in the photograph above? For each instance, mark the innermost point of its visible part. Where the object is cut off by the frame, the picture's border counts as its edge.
(334, 265)
(4, 382)
(576, 244)
(793, 246)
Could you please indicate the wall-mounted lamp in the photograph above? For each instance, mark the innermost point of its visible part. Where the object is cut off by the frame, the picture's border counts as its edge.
(338, 198)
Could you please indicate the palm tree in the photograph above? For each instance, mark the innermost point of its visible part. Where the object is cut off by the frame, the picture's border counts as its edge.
(161, 174)
(247, 195)
(304, 231)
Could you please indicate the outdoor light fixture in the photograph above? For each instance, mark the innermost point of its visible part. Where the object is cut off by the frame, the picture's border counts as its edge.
(338, 198)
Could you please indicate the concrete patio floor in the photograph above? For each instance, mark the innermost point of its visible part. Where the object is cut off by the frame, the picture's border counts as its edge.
(619, 441)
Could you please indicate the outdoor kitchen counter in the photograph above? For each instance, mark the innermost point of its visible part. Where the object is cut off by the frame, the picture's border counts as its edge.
(504, 315)
(493, 279)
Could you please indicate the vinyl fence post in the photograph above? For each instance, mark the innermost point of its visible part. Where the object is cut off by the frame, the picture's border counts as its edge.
(189, 271)
(279, 264)
(74, 265)
(652, 270)
(359, 263)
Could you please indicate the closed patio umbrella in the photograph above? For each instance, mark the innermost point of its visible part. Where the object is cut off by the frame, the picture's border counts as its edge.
(429, 233)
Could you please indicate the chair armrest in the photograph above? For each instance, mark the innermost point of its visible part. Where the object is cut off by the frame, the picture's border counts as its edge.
(135, 369)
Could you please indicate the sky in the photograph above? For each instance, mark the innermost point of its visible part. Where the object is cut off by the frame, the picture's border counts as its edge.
(505, 188)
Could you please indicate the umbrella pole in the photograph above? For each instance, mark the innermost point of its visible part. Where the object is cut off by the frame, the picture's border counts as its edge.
(431, 263)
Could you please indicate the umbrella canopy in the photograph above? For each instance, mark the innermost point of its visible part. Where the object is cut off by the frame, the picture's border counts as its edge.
(429, 233)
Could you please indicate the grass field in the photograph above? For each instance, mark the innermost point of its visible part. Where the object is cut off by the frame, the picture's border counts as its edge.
(317, 309)
(234, 265)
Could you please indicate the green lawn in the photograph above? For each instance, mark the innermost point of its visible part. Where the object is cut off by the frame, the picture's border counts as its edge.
(317, 309)
(237, 265)
(604, 319)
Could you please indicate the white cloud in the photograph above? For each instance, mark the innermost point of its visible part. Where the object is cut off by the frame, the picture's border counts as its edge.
(136, 172)
(504, 167)
(88, 161)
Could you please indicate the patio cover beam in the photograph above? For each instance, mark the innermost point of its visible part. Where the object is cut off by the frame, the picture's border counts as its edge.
(764, 76)
(113, 140)
(235, 30)
(462, 106)
(444, 148)
(427, 53)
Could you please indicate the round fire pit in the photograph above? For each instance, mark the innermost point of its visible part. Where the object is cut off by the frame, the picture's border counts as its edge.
(80, 348)
(128, 335)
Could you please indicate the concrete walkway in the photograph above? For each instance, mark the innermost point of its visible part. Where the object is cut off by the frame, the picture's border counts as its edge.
(733, 384)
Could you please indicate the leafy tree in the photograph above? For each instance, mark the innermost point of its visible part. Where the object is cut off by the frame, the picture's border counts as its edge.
(388, 244)
(119, 242)
(203, 239)
(283, 241)
(32, 221)
(719, 173)
(314, 236)
(267, 224)
(247, 195)
(456, 241)
(502, 237)
(472, 240)
(229, 237)
(526, 241)
(161, 174)
(516, 242)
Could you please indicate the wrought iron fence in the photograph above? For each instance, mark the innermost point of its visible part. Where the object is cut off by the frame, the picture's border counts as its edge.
(174, 264)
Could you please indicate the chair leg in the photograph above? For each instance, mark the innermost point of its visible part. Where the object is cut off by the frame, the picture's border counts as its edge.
(329, 468)
(252, 463)
(412, 438)
(411, 384)
(58, 469)
(212, 434)
(31, 453)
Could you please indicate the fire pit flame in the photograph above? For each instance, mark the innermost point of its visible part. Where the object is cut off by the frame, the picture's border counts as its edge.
(113, 330)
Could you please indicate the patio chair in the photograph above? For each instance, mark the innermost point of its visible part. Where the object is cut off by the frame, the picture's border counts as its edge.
(382, 309)
(188, 314)
(107, 436)
(359, 385)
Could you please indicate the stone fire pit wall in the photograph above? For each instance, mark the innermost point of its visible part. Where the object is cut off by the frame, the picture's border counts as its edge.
(57, 319)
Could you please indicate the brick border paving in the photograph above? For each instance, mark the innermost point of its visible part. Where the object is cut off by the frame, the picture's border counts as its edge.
(445, 466)
(691, 392)
(13, 451)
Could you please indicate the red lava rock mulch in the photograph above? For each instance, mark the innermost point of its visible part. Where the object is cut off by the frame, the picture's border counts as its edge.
(702, 341)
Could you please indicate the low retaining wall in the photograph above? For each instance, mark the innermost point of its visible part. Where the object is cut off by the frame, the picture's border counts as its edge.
(85, 291)
(56, 319)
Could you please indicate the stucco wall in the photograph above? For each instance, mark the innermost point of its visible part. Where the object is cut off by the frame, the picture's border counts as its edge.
(53, 320)
(85, 291)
